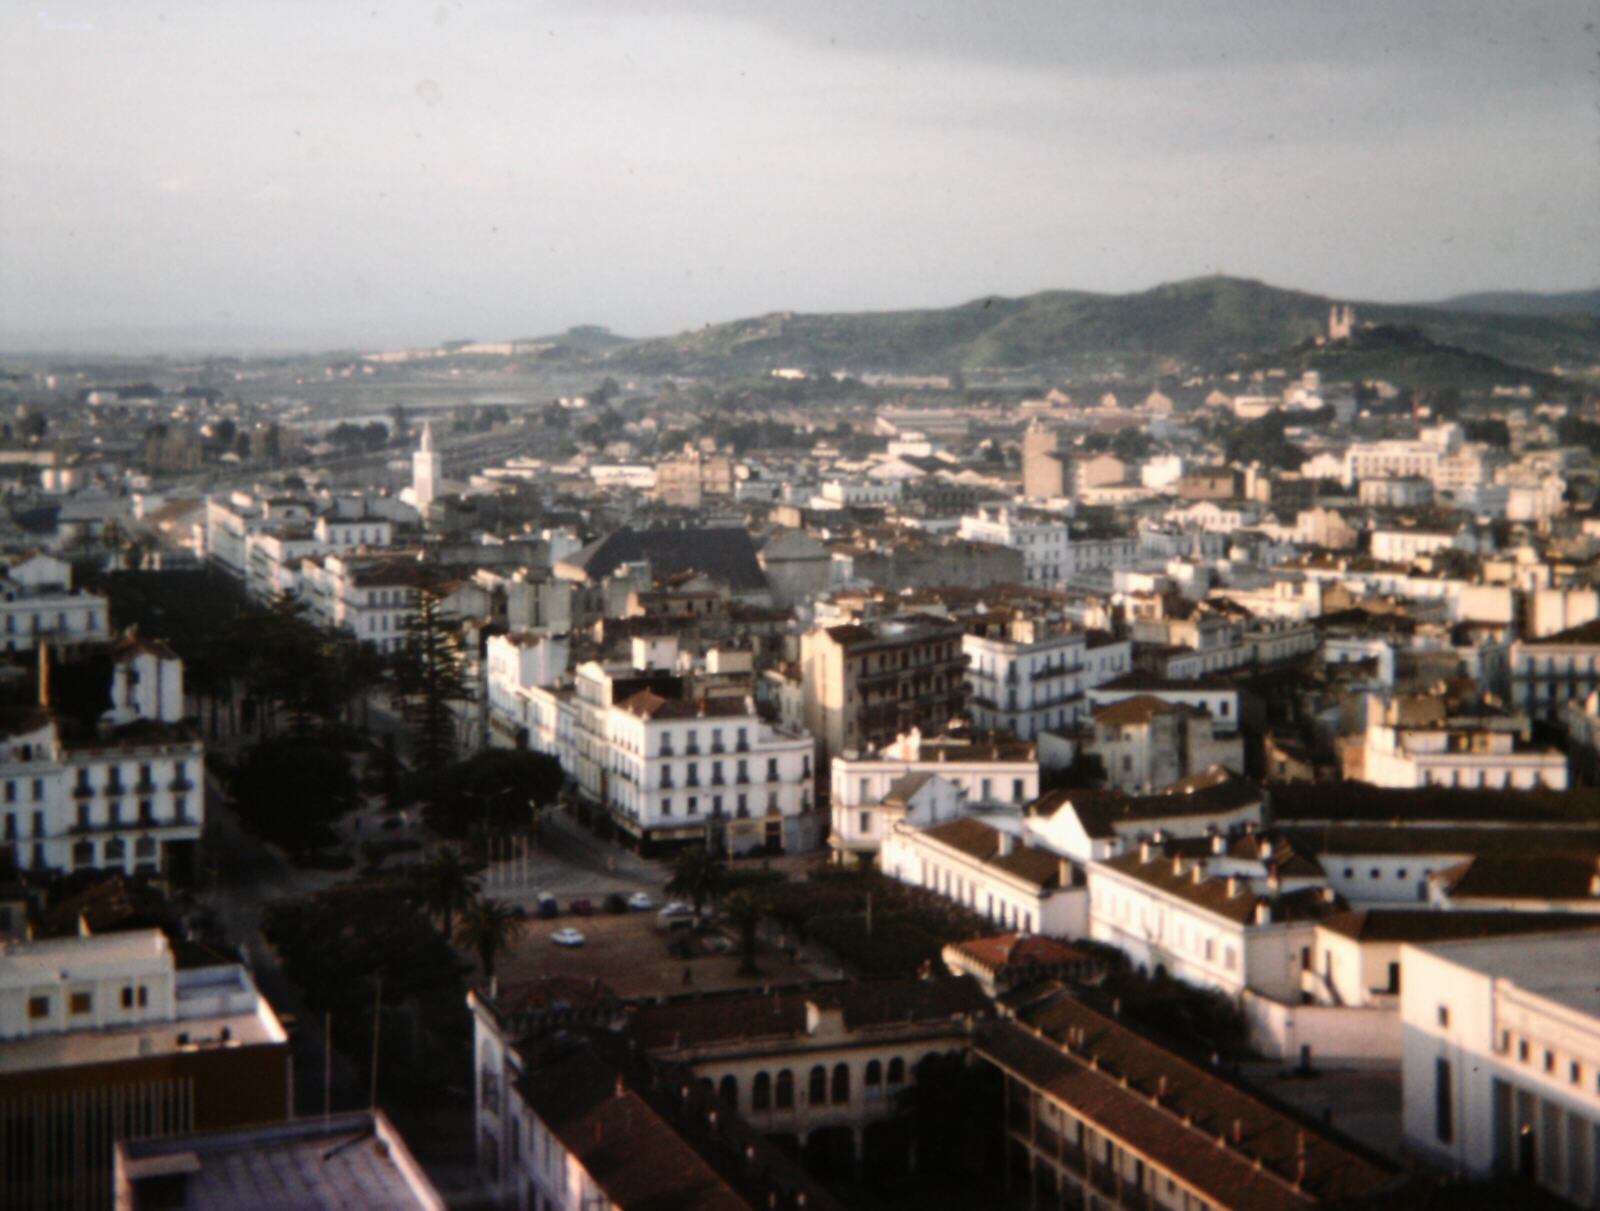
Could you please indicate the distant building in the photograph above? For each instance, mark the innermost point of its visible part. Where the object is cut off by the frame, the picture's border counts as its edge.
(38, 604)
(426, 474)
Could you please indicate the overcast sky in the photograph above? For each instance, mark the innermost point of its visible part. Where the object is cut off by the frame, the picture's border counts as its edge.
(384, 173)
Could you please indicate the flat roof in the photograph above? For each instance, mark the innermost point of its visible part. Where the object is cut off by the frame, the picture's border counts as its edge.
(345, 1161)
(76, 1048)
(1559, 967)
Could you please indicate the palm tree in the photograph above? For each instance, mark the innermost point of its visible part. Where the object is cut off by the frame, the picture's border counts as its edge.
(746, 907)
(445, 886)
(698, 875)
(488, 927)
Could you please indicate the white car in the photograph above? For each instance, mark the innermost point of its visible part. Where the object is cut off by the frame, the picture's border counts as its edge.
(567, 937)
(640, 902)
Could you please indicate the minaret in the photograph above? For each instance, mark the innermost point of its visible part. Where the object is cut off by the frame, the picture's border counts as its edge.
(425, 471)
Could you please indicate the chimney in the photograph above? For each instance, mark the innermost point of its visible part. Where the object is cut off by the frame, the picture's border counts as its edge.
(1006, 841)
(1199, 872)
(1233, 886)
(1064, 876)
(44, 673)
(1177, 866)
(1263, 913)
(1238, 1130)
(1274, 879)
(1219, 843)
(1147, 852)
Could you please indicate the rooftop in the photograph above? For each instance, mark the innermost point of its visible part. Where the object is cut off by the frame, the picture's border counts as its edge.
(1040, 867)
(1558, 967)
(311, 1164)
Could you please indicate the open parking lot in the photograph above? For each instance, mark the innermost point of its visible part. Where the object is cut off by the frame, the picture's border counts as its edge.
(632, 958)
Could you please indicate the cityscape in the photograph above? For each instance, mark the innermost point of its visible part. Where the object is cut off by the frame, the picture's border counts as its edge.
(866, 725)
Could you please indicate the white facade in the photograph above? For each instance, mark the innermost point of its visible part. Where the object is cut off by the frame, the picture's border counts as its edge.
(1055, 906)
(38, 604)
(425, 471)
(146, 683)
(515, 665)
(1502, 1058)
(1035, 678)
(1440, 756)
(1043, 540)
(1405, 546)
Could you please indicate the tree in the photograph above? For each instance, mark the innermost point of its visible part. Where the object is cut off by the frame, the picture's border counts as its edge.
(488, 927)
(746, 907)
(499, 788)
(445, 886)
(698, 876)
(290, 789)
(428, 673)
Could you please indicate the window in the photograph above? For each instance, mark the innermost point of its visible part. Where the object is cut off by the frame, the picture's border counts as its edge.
(127, 996)
(666, 807)
(1444, 1015)
(874, 1074)
(1575, 1072)
(897, 1071)
(728, 1090)
(80, 1002)
(38, 1008)
(694, 805)
(1549, 1061)
(841, 1083)
(761, 1092)
(1443, 1102)
(1522, 1050)
(818, 1090)
(866, 822)
(783, 1097)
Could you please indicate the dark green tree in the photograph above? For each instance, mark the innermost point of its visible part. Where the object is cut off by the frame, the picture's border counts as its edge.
(698, 876)
(291, 789)
(445, 887)
(488, 927)
(428, 674)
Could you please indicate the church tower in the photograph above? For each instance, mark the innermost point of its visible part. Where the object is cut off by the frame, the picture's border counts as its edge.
(425, 471)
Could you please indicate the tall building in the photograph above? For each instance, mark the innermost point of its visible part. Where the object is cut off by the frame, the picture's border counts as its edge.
(865, 685)
(425, 473)
(1044, 472)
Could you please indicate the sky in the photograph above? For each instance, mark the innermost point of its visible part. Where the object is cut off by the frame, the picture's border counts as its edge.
(271, 173)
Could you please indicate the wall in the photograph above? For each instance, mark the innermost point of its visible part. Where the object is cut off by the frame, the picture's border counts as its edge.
(1344, 1036)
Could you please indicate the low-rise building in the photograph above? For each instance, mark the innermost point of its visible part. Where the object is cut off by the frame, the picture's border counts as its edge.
(39, 605)
(107, 1038)
(1026, 675)
(1502, 1060)
(990, 868)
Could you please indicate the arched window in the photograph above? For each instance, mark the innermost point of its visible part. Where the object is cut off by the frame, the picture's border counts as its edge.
(874, 1074)
(819, 1086)
(728, 1090)
(785, 1093)
(83, 853)
(897, 1071)
(115, 849)
(761, 1092)
(841, 1083)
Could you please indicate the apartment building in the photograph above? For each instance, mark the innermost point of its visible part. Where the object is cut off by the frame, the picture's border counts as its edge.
(1027, 675)
(1444, 752)
(1554, 670)
(133, 802)
(678, 769)
(39, 605)
(865, 685)
(1043, 539)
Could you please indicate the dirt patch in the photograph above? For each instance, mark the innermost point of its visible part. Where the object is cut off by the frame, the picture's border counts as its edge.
(632, 958)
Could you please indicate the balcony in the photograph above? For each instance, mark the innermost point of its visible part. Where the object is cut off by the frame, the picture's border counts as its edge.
(741, 745)
(145, 786)
(112, 789)
(82, 791)
(180, 784)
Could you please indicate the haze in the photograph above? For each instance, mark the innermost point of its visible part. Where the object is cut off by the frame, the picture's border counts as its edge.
(254, 175)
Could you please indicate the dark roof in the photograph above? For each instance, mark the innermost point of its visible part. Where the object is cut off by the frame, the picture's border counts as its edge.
(1397, 839)
(1423, 925)
(1139, 709)
(725, 555)
(1212, 893)
(1041, 867)
(1354, 801)
(1588, 632)
(649, 705)
(1522, 877)
(697, 1021)
(1018, 950)
(1225, 1142)
(1099, 811)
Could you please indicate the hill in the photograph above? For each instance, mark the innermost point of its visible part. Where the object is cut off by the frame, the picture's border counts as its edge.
(1523, 302)
(1204, 323)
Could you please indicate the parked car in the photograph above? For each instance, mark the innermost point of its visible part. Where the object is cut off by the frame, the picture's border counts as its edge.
(581, 907)
(548, 908)
(567, 937)
(640, 902)
(675, 916)
(614, 903)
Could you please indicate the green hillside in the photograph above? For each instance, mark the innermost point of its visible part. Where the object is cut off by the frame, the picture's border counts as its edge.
(1209, 322)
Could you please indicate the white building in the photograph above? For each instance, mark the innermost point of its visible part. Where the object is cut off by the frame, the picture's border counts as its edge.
(425, 471)
(989, 776)
(1394, 754)
(146, 683)
(1042, 538)
(687, 769)
(516, 665)
(38, 604)
(989, 868)
(1032, 675)
(1223, 918)
(1502, 1058)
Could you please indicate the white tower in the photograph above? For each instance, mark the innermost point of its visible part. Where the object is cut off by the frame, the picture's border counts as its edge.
(425, 471)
